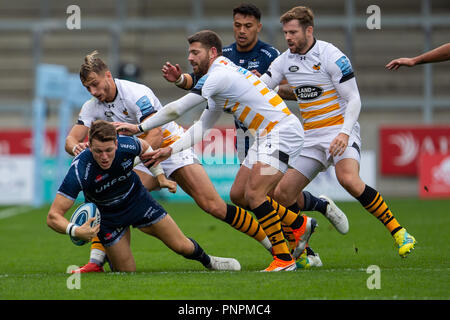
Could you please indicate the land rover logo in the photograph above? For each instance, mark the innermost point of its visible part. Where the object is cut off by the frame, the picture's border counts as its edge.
(293, 68)
(308, 92)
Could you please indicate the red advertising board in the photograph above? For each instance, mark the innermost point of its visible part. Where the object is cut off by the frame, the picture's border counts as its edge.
(400, 147)
(434, 175)
(19, 141)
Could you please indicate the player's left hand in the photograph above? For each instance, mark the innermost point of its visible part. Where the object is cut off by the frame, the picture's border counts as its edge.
(156, 156)
(126, 128)
(339, 144)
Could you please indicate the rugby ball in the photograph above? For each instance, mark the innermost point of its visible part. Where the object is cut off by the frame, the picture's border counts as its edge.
(82, 214)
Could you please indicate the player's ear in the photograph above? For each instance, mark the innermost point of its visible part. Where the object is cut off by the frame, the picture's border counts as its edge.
(309, 30)
(108, 74)
(213, 52)
(259, 26)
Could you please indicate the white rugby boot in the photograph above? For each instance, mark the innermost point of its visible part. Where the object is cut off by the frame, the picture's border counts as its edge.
(224, 264)
(336, 216)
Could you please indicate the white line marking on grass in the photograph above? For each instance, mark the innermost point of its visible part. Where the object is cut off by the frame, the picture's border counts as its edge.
(13, 211)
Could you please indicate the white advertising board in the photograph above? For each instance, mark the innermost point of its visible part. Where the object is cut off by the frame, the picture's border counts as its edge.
(16, 180)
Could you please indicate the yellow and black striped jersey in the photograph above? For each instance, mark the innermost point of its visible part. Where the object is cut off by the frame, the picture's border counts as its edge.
(237, 91)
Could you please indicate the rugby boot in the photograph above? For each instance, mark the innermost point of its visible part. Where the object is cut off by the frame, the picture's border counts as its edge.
(303, 234)
(90, 267)
(335, 215)
(405, 242)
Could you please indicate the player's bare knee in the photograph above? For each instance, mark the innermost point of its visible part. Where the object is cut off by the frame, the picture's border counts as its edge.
(285, 195)
(125, 269)
(124, 266)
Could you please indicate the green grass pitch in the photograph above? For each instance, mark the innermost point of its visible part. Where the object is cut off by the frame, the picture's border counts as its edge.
(34, 260)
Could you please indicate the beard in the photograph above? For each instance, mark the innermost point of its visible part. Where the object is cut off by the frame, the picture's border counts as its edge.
(299, 47)
(202, 67)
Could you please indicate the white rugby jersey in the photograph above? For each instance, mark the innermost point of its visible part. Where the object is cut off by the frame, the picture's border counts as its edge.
(314, 77)
(133, 103)
(236, 90)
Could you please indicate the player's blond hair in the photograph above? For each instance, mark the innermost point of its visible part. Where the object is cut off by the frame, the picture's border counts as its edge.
(304, 15)
(92, 63)
(102, 131)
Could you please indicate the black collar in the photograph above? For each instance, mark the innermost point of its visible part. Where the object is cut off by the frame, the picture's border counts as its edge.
(312, 46)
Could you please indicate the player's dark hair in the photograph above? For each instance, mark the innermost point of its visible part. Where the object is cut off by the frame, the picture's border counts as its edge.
(208, 39)
(102, 131)
(304, 15)
(92, 63)
(248, 9)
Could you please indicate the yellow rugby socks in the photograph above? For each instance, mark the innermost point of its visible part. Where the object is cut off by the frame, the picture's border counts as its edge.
(289, 236)
(244, 222)
(270, 222)
(288, 216)
(373, 202)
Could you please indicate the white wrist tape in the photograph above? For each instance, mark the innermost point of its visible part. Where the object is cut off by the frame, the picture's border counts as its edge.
(70, 230)
(180, 80)
(156, 171)
(73, 149)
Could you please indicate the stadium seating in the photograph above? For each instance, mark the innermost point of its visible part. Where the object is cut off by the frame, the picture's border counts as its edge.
(149, 49)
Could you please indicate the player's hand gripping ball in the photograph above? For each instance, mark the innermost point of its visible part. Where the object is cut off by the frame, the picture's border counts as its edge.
(82, 214)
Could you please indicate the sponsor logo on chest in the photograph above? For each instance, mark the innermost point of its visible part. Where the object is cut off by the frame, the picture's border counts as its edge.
(308, 92)
(112, 182)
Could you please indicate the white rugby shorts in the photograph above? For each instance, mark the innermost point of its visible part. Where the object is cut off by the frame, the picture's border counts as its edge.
(315, 158)
(174, 162)
(280, 147)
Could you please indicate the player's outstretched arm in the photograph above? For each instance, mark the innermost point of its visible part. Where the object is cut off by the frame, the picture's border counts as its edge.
(438, 54)
(191, 137)
(170, 112)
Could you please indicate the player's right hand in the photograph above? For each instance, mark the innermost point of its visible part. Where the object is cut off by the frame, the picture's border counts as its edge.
(126, 128)
(86, 232)
(171, 72)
